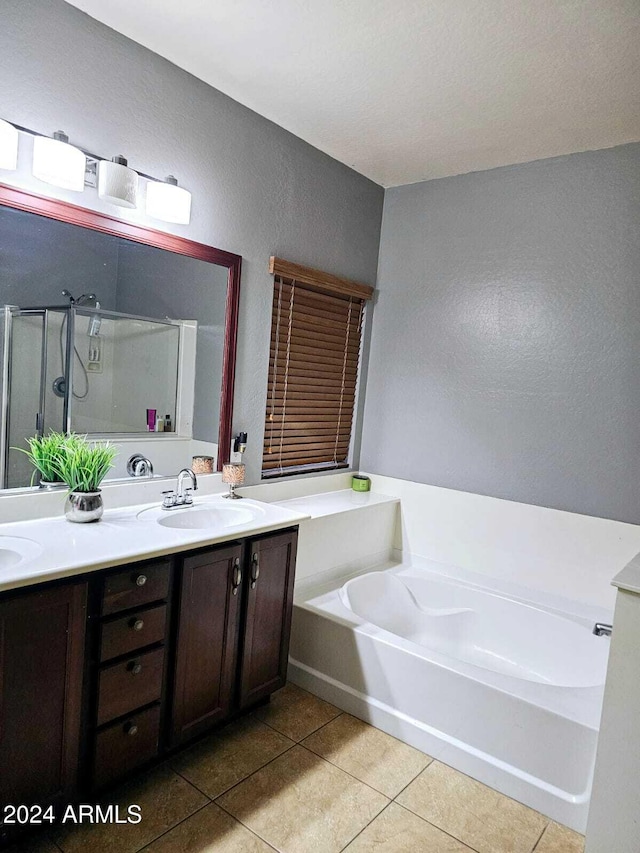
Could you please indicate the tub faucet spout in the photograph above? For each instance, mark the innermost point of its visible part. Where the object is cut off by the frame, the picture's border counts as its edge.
(602, 629)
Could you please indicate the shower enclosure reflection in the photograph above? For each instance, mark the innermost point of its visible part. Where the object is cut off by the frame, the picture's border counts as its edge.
(87, 370)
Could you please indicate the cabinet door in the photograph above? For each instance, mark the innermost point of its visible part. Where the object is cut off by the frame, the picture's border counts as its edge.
(207, 640)
(41, 664)
(269, 578)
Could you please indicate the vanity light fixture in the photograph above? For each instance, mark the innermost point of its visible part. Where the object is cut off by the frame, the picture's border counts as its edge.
(168, 202)
(58, 163)
(117, 183)
(8, 146)
(62, 165)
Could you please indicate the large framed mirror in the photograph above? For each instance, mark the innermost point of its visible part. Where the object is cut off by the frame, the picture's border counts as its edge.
(114, 330)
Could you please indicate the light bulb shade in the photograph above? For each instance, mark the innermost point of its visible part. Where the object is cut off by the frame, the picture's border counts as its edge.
(117, 183)
(8, 146)
(168, 202)
(58, 163)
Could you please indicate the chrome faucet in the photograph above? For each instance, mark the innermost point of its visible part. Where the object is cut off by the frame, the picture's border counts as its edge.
(182, 497)
(602, 629)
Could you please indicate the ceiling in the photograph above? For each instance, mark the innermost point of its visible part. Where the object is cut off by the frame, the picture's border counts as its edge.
(408, 90)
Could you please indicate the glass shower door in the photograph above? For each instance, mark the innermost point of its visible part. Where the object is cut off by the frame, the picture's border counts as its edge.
(33, 362)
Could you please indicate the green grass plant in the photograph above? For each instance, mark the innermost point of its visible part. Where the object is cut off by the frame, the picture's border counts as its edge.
(83, 465)
(44, 452)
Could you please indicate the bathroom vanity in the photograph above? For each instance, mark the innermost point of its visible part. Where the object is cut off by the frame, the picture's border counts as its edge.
(107, 670)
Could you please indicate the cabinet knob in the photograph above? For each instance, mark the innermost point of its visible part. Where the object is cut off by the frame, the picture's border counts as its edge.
(135, 667)
(255, 570)
(131, 729)
(141, 580)
(137, 624)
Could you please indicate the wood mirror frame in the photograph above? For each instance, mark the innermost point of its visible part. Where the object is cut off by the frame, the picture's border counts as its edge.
(64, 211)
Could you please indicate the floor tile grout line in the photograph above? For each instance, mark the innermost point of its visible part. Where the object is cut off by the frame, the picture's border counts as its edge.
(45, 835)
(420, 772)
(253, 773)
(546, 827)
(362, 782)
(367, 723)
(439, 828)
(368, 824)
(271, 726)
(226, 811)
(323, 726)
(175, 825)
(193, 784)
(346, 772)
(205, 806)
(315, 755)
(494, 790)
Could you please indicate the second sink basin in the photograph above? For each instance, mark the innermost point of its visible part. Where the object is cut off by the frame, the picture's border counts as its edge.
(15, 550)
(210, 517)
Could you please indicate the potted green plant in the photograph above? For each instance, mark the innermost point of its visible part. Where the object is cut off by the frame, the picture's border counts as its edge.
(43, 453)
(83, 465)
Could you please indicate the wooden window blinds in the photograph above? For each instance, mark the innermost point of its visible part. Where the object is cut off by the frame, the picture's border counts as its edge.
(313, 369)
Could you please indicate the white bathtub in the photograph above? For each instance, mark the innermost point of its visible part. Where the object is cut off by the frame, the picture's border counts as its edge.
(501, 683)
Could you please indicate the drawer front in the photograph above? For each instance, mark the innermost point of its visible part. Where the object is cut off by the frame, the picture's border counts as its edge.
(124, 746)
(136, 586)
(138, 629)
(125, 687)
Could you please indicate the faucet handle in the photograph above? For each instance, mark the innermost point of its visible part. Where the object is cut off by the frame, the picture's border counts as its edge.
(188, 496)
(169, 498)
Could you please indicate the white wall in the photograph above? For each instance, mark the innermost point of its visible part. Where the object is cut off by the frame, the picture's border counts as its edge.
(562, 553)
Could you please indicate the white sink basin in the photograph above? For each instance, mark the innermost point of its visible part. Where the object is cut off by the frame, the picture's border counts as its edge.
(210, 517)
(14, 550)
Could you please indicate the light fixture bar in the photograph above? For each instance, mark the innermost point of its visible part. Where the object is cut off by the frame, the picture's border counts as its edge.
(165, 199)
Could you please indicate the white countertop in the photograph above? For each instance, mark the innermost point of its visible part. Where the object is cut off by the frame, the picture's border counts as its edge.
(629, 577)
(58, 548)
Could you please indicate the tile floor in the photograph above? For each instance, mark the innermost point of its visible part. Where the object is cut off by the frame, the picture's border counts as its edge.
(299, 776)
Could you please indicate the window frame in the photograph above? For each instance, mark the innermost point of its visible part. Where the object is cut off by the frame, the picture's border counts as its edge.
(315, 283)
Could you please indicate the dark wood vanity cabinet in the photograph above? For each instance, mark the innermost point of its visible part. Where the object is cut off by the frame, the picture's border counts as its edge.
(101, 676)
(128, 666)
(233, 626)
(42, 632)
(268, 606)
(210, 595)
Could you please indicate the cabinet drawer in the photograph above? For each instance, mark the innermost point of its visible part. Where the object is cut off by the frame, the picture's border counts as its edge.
(124, 746)
(131, 632)
(126, 686)
(136, 586)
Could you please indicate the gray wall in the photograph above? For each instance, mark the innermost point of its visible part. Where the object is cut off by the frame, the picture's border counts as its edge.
(505, 354)
(257, 190)
(39, 258)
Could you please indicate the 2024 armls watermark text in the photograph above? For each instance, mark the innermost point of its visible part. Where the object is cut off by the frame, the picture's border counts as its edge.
(20, 815)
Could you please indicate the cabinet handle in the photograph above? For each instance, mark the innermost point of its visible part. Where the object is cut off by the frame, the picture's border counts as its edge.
(134, 667)
(136, 624)
(255, 570)
(141, 580)
(237, 576)
(131, 729)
